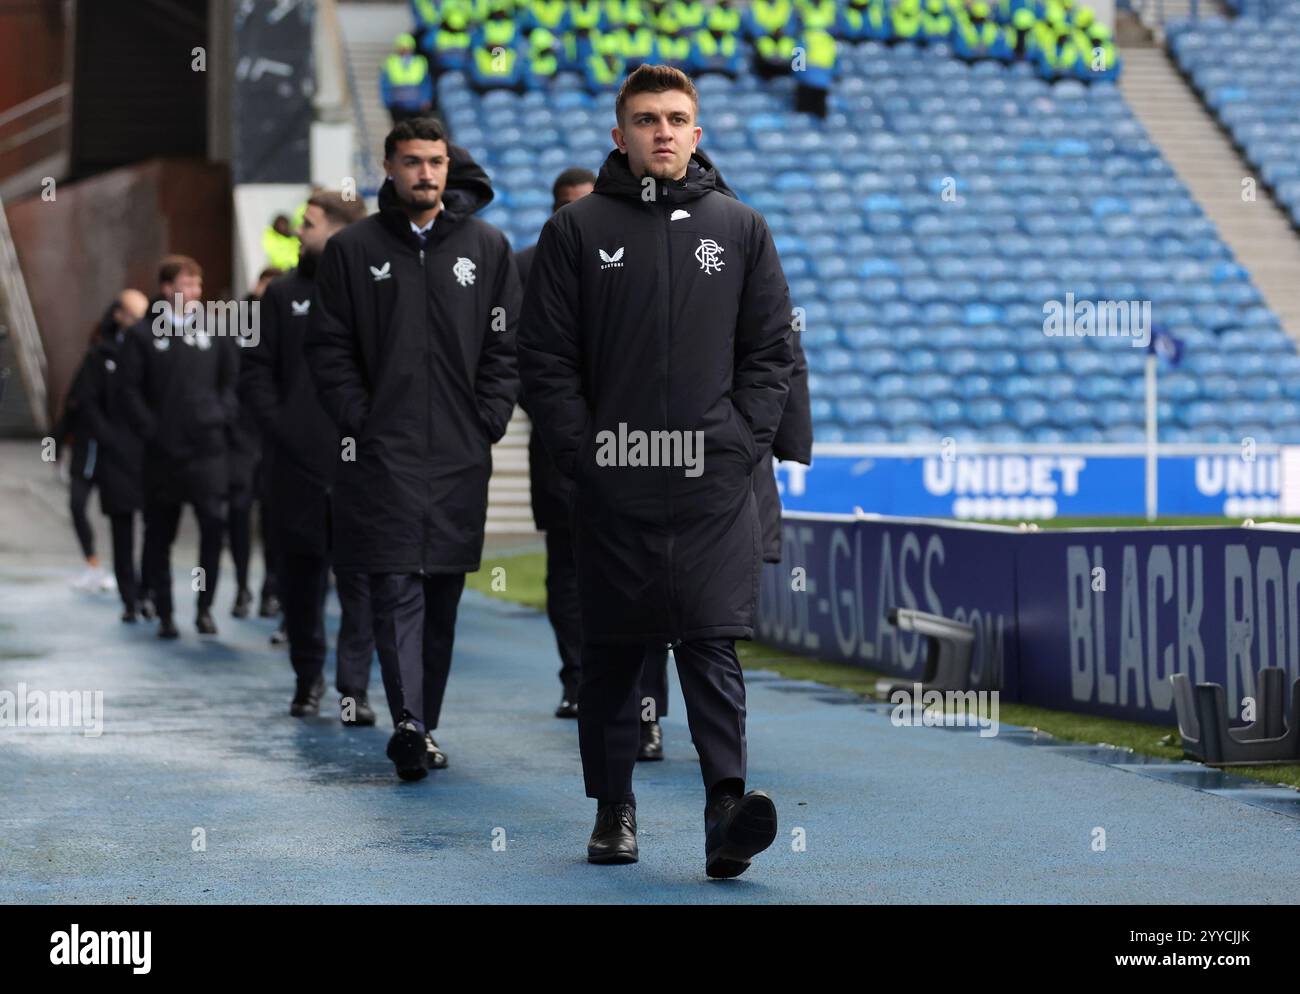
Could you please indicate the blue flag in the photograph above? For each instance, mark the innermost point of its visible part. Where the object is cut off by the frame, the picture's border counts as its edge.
(1165, 345)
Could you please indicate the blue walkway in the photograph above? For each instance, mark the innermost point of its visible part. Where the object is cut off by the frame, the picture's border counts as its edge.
(196, 736)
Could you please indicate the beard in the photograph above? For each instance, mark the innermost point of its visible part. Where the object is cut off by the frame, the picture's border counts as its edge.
(420, 199)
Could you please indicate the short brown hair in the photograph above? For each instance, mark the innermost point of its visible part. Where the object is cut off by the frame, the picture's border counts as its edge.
(172, 266)
(337, 208)
(646, 78)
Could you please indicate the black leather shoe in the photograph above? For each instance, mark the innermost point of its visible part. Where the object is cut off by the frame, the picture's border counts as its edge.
(280, 636)
(568, 705)
(613, 840)
(306, 698)
(269, 606)
(167, 629)
(204, 623)
(129, 617)
(355, 711)
(408, 751)
(736, 830)
(147, 611)
(243, 603)
(652, 743)
(437, 758)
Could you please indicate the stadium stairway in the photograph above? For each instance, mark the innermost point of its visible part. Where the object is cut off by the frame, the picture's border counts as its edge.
(368, 32)
(1155, 14)
(1258, 232)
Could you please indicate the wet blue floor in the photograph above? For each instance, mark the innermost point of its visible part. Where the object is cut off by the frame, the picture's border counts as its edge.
(196, 736)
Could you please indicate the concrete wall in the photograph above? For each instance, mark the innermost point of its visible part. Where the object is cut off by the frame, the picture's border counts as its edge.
(108, 232)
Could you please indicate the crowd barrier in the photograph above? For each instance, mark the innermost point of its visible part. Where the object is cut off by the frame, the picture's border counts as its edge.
(1086, 620)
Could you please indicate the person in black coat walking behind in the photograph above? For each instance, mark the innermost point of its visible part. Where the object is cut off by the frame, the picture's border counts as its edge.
(277, 389)
(106, 451)
(656, 353)
(180, 382)
(411, 346)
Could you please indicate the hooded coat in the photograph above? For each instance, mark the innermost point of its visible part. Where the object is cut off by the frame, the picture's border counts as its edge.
(412, 353)
(277, 390)
(656, 355)
(549, 488)
(97, 407)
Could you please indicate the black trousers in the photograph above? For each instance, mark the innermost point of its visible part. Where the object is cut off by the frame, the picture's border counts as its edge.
(609, 713)
(160, 524)
(128, 583)
(356, 645)
(562, 606)
(304, 584)
(239, 528)
(304, 588)
(562, 609)
(415, 629)
(79, 488)
(270, 553)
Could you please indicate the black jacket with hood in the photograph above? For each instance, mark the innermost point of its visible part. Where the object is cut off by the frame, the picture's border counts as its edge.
(412, 352)
(550, 489)
(96, 408)
(659, 307)
(277, 389)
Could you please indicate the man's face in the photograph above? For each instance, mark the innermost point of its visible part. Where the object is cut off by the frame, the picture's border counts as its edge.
(315, 230)
(419, 171)
(189, 286)
(568, 194)
(130, 307)
(659, 134)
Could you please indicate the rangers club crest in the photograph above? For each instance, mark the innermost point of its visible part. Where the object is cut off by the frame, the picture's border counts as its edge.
(708, 255)
(463, 271)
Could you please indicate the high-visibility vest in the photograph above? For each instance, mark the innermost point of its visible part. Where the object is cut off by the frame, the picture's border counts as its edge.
(772, 14)
(710, 47)
(607, 43)
(772, 49)
(427, 11)
(687, 14)
(406, 70)
(543, 63)
(585, 13)
(549, 13)
(907, 24)
(820, 47)
(725, 19)
(936, 25)
(816, 15)
(281, 250)
(484, 61)
(604, 74)
(983, 35)
(674, 49)
(449, 40)
(499, 33)
(625, 12)
(638, 45)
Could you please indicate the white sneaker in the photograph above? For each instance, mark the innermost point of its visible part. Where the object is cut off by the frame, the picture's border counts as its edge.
(89, 580)
(109, 583)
